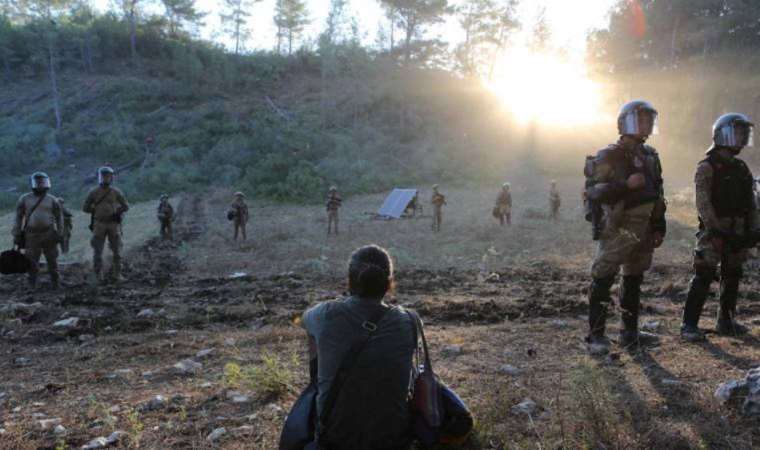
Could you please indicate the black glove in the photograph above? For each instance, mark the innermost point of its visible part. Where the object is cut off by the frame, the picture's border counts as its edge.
(116, 217)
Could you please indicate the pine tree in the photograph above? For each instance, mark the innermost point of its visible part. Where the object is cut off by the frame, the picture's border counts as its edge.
(413, 16)
(235, 20)
(291, 17)
(179, 13)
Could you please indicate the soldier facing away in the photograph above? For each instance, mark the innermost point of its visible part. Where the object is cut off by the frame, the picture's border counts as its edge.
(728, 225)
(333, 205)
(165, 216)
(68, 226)
(626, 180)
(504, 205)
(38, 228)
(106, 205)
(555, 201)
(437, 200)
(238, 214)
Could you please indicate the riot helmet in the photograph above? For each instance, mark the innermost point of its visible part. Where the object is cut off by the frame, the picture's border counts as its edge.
(734, 131)
(105, 176)
(637, 118)
(40, 182)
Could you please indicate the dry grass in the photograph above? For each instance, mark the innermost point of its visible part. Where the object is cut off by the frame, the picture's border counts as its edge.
(660, 398)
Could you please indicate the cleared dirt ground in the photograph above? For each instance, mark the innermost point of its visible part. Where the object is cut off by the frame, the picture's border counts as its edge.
(490, 296)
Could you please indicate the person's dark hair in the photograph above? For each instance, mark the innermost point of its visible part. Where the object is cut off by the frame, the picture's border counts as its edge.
(370, 272)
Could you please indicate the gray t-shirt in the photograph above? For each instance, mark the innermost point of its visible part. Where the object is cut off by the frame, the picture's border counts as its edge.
(371, 410)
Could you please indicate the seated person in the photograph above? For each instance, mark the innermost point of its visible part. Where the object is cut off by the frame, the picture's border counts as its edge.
(370, 411)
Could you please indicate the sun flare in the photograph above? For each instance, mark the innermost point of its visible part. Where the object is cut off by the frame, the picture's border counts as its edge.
(546, 88)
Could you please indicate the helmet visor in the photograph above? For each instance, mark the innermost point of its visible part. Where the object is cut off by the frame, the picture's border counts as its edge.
(40, 182)
(641, 122)
(105, 177)
(737, 134)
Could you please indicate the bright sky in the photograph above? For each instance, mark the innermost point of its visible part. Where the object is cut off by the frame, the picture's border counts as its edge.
(568, 20)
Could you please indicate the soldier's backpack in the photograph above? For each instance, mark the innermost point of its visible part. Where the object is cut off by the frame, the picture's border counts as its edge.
(13, 261)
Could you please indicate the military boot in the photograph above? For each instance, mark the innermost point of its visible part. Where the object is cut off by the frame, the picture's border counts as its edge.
(699, 287)
(32, 280)
(55, 281)
(630, 300)
(598, 300)
(727, 325)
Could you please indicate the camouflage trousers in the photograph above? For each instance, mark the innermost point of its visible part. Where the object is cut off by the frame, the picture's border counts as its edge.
(166, 229)
(38, 244)
(332, 219)
(437, 218)
(505, 214)
(240, 228)
(707, 258)
(629, 246)
(554, 210)
(101, 232)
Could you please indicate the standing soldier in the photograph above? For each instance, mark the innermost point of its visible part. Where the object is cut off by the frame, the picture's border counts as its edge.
(68, 226)
(333, 205)
(504, 205)
(728, 224)
(554, 201)
(625, 179)
(38, 228)
(106, 205)
(238, 214)
(438, 200)
(165, 217)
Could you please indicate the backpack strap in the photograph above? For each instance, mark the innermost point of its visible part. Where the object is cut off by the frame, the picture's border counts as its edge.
(420, 333)
(348, 362)
(31, 211)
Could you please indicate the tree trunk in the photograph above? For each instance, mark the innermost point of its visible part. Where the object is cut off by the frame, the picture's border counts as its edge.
(132, 31)
(54, 84)
(393, 27)
(290, 42)
(237, 34)
(89, 52)
(673, 42)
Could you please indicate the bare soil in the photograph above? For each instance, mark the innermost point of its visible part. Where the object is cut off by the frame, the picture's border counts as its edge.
(489, 297)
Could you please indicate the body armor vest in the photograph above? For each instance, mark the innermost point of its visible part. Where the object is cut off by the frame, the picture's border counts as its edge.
(732, 194)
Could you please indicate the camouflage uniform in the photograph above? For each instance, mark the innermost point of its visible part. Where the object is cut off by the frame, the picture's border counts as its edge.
(631, 220)
(554, 202)
(239, 211)
(106, 204)
(68, 226)
(504, 206)
(166, 217)
(333, 205)
(41, 232)
(726, 207)
(437, 200)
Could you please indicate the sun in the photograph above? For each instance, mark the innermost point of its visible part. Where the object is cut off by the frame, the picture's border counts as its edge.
(546, 88)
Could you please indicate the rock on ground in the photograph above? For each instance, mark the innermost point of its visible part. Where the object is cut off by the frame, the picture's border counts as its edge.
(216, 434)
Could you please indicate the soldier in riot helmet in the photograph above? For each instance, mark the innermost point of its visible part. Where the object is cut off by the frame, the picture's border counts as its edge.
(106, 205)
(333, 205)
(68, 226)
(238, 214)
(39, 227)
(165, 216)
(625, 181)
(728, 225)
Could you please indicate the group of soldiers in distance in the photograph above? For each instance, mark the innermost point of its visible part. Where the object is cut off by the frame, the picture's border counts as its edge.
(623, 197)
